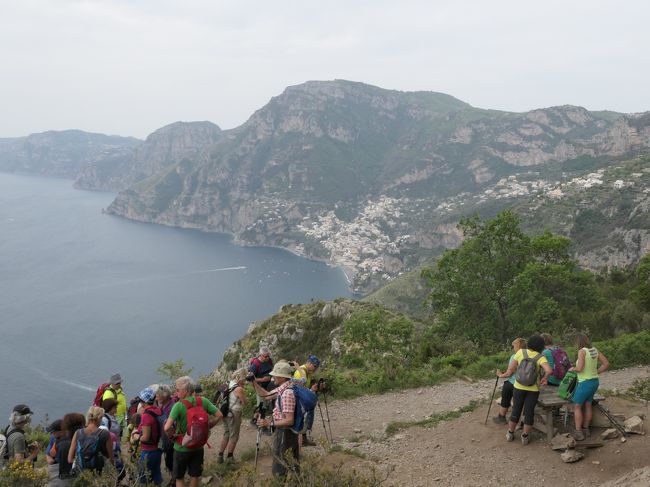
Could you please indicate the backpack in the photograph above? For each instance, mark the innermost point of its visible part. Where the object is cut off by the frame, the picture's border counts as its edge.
(87, 454)
(306, 400)
(527, 372)
(568, 386)
(222, 398)
(4, 445)
(99, 395)
(561, 363)
(160, 422)
(198, 429)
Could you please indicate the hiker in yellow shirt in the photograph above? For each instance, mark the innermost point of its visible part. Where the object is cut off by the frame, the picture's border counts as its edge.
(115, 392)
(526, 391)
(588, 382)
(304, 375)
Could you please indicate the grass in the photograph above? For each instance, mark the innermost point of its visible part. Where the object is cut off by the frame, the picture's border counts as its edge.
(434, 419)
(347, 451)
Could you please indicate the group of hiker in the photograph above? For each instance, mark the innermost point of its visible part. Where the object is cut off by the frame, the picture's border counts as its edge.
(165, 427)
(539, 362)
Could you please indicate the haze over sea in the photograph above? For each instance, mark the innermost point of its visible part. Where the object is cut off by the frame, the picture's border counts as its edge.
(84, 295)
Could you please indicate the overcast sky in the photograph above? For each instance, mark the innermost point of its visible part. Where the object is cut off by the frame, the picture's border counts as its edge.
(128, 67)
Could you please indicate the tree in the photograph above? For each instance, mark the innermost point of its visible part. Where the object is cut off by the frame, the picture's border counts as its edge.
(501, 283)
(469, 284)
(173, 370)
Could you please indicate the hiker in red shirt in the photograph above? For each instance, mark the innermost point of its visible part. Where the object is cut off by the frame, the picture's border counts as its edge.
(148, 433)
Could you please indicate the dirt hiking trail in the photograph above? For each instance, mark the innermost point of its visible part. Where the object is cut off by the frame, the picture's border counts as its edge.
(465, 451)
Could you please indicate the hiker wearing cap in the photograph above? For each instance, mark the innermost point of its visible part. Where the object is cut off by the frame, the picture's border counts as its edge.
(304, 374)
(282, 418)
(17, 448)
(56, 433)
(232, 422)
(188, 459)
(115, 392)
(148, 434)
(588, 382)
(526, 390)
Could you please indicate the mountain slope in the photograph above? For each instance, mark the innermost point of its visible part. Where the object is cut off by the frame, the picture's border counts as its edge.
(356, 174)
(61, 153)
(174, 143)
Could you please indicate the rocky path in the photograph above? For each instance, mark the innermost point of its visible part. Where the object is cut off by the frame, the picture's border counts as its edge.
(465, 451)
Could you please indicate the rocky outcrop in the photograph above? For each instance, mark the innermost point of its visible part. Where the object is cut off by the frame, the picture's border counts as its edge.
(172, 144)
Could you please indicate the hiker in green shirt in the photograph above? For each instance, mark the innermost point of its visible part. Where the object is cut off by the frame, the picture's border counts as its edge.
(186, 458)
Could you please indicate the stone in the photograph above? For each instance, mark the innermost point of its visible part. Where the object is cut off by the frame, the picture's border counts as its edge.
(572, 456)
(206, 480)
(562, 442)
(609, 434)
(634, 425)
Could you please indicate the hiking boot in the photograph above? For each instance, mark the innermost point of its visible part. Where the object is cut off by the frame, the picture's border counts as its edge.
(578, 435)
(220, 459)
(525, 439)
(498, 419)
(307, 441)
(587, 432)
(510, 436)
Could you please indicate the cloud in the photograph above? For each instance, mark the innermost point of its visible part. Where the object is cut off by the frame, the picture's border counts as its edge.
(131, 66)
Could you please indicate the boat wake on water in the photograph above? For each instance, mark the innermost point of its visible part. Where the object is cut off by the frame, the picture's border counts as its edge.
(70, 383)
(163, 277)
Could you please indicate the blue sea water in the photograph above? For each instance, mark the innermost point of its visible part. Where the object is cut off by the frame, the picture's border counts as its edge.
(84, 295)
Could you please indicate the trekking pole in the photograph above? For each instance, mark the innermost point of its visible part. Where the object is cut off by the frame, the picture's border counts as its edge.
(320, 410)
(496, 383)
(612, 420)
(327, 412)
(257, 445)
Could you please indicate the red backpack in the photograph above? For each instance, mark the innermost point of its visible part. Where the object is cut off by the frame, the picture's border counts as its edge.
(198, 430)
(99, 395)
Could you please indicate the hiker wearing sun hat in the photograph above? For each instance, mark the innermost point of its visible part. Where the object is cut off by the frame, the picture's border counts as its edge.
(115, 392)
(282, 418)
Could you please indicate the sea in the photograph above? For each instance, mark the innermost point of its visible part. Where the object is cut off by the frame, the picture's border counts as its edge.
(84, 295)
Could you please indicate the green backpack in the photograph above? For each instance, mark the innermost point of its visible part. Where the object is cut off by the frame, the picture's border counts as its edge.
(568, 386)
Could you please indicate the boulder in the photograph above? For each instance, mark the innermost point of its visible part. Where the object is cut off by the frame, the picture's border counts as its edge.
(572, 456)
(634, 425)
(563, 442)
(609, 434)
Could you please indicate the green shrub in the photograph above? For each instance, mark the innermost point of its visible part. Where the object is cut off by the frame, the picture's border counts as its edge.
(22, 475)
(641, 388)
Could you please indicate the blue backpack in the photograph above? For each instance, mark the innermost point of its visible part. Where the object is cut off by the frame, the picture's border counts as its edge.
(306, 400)
(88, 455)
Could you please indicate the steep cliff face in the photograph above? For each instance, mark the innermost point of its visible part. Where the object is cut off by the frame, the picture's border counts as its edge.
(353, 174)
(172, 144)
(61, 153)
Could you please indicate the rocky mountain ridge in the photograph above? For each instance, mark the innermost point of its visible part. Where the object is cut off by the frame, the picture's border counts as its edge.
(356, 175)
(370, 179)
